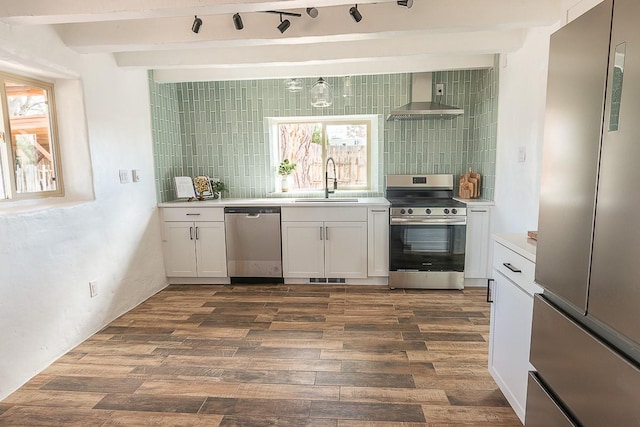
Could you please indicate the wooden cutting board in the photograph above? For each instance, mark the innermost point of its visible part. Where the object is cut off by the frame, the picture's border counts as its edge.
(470, 185)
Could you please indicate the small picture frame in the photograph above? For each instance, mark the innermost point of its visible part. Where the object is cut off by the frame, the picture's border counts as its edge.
(202, 184)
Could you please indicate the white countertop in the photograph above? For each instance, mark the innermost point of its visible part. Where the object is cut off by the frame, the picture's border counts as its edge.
(475, 202)
(279, 201)
(518, 243)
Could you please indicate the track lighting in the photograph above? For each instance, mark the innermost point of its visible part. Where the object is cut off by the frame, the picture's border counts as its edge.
(355, 14)
(197, 23)
(312, 12)
(283, 25)
(405, 3)
(237, 21)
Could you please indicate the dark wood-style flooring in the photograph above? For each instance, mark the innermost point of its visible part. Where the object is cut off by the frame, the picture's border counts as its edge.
(277, 355)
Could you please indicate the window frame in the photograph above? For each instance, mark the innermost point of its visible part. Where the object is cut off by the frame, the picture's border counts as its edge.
(8, 155)
(373, 144)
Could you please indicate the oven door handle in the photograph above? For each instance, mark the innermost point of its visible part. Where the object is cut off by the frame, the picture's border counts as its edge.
(429, 221)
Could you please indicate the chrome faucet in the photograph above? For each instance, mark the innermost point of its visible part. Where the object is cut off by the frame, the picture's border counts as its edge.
(326, 179)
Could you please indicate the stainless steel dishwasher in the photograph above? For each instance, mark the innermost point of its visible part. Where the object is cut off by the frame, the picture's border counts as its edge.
(254, 249)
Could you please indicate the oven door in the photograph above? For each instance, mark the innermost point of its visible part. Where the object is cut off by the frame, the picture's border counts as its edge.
(427, 245)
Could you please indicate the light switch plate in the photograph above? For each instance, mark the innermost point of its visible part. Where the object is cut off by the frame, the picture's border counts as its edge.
(124, 176)
(135, 175)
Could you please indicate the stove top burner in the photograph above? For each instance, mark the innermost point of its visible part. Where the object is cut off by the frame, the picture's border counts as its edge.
(422, 195)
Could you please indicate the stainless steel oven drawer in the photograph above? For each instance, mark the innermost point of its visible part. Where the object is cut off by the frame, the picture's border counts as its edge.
(597, 385)
(542, 409)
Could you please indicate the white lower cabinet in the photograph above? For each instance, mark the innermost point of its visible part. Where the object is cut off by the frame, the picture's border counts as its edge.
(476, 264)
(194, 248)
(324, 242)
(511, 316)
(378, 242)
(324, 249)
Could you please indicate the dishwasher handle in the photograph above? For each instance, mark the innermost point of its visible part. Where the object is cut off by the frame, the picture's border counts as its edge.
(252, 211)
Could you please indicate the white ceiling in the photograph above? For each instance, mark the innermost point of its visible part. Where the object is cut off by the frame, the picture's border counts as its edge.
(156, 34)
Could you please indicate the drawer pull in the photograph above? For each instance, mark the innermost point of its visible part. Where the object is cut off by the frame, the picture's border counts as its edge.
(193, 214)
(379, 210)
(512, 268)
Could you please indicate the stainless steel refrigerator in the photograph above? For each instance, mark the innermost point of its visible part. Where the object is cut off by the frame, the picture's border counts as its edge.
(585, 343)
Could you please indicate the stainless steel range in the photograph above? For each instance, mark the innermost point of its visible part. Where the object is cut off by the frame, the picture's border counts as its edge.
(427, 232)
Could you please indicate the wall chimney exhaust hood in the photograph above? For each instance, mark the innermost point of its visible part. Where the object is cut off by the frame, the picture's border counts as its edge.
(421, 106)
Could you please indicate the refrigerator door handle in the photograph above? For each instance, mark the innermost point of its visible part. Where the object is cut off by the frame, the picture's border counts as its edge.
(489, 294)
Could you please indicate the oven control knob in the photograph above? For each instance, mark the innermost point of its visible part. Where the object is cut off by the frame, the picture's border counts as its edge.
(454, 211)
(402, 211)
(446, 211)
(428, 211)
(410, 211)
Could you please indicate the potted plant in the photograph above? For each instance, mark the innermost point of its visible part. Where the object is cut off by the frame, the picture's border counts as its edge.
(218, 187)
(285, 169)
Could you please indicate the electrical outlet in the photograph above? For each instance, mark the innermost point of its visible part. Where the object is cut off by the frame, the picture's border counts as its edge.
(440, 89)
(135, 175)
(93, 288)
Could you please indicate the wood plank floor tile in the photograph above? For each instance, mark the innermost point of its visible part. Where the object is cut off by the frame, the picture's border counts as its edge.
(256, 407)
(360, 379)
(55, 398)
(393, 395)
(93, 384)
(30, 416)
(276, 354)
(151, 419)
(476, 416)
(151, 403)
(189, 388)
(367, 411)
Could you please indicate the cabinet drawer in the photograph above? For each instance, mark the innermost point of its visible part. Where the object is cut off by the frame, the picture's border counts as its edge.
(514, 266)
(193, 214)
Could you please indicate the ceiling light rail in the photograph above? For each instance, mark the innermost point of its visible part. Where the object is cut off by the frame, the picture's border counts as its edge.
(285, 23)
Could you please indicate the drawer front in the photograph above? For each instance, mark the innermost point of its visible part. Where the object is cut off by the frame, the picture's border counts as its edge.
(193, 214)
(514, 266)
(542, 409)
(337, 213)
(599, 387)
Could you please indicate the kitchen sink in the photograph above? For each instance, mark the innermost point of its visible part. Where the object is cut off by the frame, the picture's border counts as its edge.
(330, 200)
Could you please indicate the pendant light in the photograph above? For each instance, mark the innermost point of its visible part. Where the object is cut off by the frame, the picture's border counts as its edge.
(346, 87)
(321, 94)
(293, 85)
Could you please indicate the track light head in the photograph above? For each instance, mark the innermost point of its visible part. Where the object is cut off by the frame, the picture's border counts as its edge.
(237, 21)
(197, 23)
(283, 25)
(405, 3)
(355, 13)
(312, 12)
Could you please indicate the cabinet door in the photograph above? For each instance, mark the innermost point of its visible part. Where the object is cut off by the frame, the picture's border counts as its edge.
(303, 249)
(378, 242)
(210, 249)
(179, 249)
(476, 263)
(511, 315)
(346, 249)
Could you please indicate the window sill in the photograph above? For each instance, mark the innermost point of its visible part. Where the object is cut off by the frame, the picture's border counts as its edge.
(35, 205)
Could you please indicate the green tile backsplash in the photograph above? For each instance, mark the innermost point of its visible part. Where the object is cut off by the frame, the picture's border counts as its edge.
(218, 128)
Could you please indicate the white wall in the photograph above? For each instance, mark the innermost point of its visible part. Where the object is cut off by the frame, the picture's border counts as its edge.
(106, 231)
(521, 105)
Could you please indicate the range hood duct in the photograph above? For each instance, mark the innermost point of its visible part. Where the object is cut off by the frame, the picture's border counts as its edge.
(421, 105)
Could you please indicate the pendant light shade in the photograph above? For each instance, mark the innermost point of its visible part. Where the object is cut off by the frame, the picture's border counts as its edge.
(346, 87)
(293, 85)
(321, 94)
